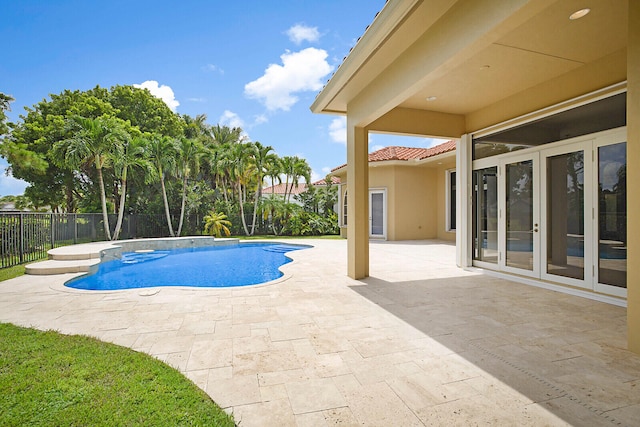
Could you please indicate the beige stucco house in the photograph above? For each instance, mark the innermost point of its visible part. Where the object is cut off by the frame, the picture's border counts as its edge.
(411, 193)
(543, 100)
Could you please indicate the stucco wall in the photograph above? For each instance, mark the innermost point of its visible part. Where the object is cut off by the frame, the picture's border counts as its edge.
(416, 200)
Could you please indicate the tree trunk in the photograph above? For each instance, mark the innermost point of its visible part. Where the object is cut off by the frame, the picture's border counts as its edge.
(255, 205)
(103, 201)
(123, 196)
(244, 222)
(166, 206)
(184, 200)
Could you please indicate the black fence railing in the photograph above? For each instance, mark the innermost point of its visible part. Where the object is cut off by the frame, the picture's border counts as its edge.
(27, 236)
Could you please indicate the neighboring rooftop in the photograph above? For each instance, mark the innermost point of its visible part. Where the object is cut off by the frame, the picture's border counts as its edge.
(297, 189)
(407, 153)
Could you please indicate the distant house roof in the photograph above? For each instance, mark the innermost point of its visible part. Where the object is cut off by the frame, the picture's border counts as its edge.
(407, 153)
(323, 181)
(297, 189)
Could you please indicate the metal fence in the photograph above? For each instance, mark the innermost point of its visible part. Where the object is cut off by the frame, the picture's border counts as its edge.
(27, 236)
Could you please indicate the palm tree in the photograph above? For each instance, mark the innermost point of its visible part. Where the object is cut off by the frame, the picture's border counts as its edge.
(226, 135)
(94, 141)
(240, 171)
(274, 171)
(162, 154)
(132, 155)
(217, 223)
(189, 155)
(262, 157)
(296, 168)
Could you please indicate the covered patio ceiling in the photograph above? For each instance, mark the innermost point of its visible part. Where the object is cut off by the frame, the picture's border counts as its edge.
(470, 62)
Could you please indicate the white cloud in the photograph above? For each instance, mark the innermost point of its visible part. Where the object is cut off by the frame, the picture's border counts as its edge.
(338, 130)
(213, 68)
(260, 119)
(375, 148)
(316, 176)
(197, 99)
(300, 71)
(299, 33)
(231, 119)
(163, 92)
(326, 170)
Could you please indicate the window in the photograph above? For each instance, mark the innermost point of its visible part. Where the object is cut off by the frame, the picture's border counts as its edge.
(451, 200)
(344, 209)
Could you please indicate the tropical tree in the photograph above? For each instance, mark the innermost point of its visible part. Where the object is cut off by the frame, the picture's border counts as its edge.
(216, 223)
(240, 163)
(162, 154)
(262, 158)
(294, 168)
(188, 163)
(29, 149)
(94, 142)
(5, 101)
(132, 155)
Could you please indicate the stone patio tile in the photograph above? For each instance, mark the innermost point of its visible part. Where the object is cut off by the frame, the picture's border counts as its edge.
(272, 413)
(311, 419)
(210, 354)
(281, 377)
(314, 395)
(287, 332)
(172, 344)
(377, 405)
(265, 361)
(239, 390)
(251, 344)
(273, 392)
(340, 417)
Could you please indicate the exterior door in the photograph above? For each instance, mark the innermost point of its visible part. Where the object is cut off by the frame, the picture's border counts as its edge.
(519, 215)
(377, 214)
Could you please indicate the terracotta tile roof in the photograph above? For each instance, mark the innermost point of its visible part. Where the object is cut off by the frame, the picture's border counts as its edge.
(334, 180)
(280, 189)
(407, 153)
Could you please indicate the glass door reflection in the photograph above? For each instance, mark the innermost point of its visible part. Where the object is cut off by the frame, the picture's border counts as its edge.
(565, 215)
(520, 226)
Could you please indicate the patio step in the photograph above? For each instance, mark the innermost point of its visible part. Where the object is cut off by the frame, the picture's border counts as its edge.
(69, 259)
(78, 252)
(61, 267)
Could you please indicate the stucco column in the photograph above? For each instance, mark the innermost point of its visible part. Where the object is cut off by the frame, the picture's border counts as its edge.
(463, 202)
(633, 176)
(357, 201)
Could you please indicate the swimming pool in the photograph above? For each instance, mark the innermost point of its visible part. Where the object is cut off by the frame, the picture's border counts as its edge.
(211, 266)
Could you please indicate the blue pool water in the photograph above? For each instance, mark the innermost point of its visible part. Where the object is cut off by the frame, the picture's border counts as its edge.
(212, 266)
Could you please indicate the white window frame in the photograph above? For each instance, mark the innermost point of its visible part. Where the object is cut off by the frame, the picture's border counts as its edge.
(448, 200)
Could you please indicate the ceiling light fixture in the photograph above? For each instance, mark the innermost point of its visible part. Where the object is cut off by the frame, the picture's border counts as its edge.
(579, 14)
(485, 67)
(432, 98)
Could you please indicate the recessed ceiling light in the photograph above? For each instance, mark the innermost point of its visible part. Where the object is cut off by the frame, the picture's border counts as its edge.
(579, 14)
(432, 98)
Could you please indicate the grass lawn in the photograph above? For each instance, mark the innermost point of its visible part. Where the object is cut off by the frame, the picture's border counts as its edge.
(51, 379)
(11, 272)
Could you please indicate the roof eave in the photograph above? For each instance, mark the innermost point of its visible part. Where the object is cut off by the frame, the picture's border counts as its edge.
(383, 24)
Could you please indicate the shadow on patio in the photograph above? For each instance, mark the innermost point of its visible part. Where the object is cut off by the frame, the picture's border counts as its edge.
(567, 354)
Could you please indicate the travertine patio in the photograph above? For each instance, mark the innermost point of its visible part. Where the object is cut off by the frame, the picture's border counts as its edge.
(419, 343)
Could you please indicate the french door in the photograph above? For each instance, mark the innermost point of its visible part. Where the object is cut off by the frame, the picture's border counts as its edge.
(557, 213)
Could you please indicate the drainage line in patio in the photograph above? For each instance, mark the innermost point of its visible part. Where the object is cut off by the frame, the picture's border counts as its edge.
(543, 381)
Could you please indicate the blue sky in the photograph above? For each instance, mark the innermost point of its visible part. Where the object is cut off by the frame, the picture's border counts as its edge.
(255, 64)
